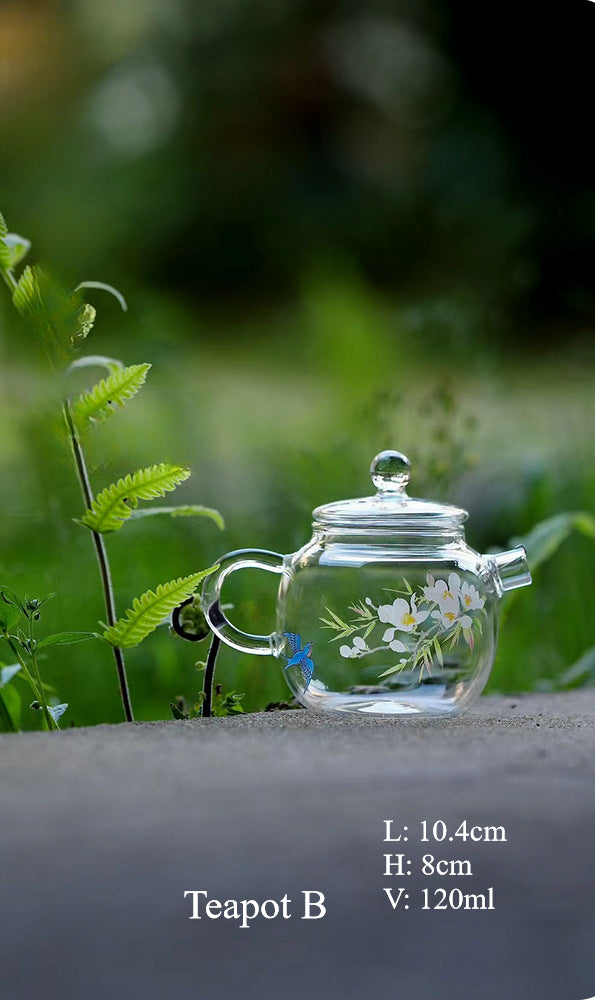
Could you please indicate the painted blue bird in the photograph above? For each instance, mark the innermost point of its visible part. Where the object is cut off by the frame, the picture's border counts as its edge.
(300, 657)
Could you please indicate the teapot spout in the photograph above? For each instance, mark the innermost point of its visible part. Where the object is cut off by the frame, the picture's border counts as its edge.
(512, 568)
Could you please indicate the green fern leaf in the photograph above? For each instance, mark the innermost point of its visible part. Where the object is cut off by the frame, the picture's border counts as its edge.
(149, 610)
(96, 405)
(27, 295)
(59, 320)
(186, 510)
(113, 505)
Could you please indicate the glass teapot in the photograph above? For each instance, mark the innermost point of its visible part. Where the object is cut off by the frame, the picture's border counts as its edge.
(386, 610)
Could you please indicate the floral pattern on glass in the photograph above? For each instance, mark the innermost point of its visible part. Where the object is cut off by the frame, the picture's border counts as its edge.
(424, 623)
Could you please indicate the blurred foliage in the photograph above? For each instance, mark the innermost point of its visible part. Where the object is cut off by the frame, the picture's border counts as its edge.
(222, 147)
(340, 227)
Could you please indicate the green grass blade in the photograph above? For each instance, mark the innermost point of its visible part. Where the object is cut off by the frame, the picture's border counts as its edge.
(545, 538)
(7, 724)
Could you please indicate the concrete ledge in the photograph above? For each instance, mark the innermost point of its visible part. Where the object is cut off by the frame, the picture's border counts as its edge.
(104, 828)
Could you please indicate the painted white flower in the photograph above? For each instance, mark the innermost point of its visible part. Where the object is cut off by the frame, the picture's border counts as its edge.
(470, 598)
(403, 615)
(398, 647)
(395, 644)
(443, 593)
(358, 649)
(450, 616)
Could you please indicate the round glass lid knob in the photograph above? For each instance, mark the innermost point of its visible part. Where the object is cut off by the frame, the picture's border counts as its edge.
(390, 472)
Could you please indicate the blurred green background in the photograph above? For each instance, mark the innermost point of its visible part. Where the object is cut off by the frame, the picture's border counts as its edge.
(340, 227)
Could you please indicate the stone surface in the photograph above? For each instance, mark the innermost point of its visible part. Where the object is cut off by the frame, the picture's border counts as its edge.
(103, 829)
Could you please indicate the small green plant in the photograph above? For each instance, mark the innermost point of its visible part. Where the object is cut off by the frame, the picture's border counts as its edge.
(189, 622)
(224, 704)
(61, 322)
(19, 619)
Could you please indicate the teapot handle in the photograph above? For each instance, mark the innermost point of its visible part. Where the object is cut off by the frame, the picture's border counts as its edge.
(272, 562)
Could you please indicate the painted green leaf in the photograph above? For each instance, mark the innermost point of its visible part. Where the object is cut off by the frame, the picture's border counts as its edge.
(393, 670)
(149, 610)
(96, 405)
(114, 504)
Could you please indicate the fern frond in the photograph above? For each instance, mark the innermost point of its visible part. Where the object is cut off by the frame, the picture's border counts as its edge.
(149, 610)
(101, 401)
(27, 295)
(113, 505)
(185, 510)
(59, 320)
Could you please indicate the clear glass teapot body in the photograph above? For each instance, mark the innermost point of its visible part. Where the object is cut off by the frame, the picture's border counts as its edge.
(385, 611)
(394, 626)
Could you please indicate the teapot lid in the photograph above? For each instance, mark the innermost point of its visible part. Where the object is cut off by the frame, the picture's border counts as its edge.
(390, 507)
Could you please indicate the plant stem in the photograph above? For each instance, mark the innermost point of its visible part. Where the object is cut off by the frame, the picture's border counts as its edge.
(102, 559)
(37, 672)
(100, 550)
(207, 704)
(35, 683)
